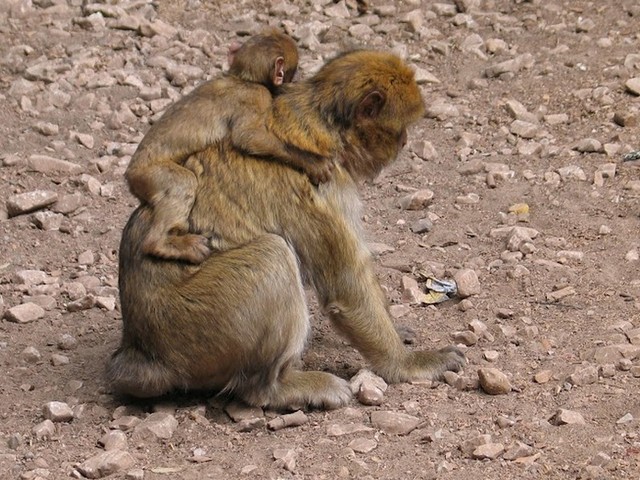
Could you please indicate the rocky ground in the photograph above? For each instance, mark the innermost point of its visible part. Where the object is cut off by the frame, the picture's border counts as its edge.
(514, 183)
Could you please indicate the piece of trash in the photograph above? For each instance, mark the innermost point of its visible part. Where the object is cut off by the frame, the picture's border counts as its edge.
(631, 156)
(438, 291)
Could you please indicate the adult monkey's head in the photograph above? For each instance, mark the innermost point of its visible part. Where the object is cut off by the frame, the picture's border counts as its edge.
(372, 98)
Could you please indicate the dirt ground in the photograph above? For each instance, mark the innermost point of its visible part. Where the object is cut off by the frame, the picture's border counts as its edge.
(527, 103)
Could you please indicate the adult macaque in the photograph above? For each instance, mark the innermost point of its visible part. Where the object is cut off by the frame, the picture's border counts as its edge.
(238, 322)
(236, 104)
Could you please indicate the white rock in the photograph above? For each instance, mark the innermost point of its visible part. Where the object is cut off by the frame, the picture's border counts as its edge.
(114, 440)
(46, 164)
(158, 425)
(31, 355)
(394, 423)
(467, 282)
(633, 85)
(57, 412)
(25, 313)
(567, 417)
(285, 457)
(363, 445)
(493, 381)
(489, 451)
(106, 463)
(44, 430)
(28, 202)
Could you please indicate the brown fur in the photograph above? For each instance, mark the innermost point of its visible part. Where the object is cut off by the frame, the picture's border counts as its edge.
(236, 104)
(239, 321)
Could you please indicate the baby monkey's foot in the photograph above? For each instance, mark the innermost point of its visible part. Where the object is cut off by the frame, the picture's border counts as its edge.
(189, 247)
(319, 170)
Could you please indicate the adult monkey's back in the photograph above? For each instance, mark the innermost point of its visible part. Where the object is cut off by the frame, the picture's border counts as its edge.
(239, 321)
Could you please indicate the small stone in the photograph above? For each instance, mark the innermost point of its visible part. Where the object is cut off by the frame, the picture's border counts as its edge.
(489, 451)
(251, 424)
(106, 463)
(441, 110)
(464, 306)
(86, 258)
(285, 458)
(505, 422)
(423, 225)
(125, 423)
(625, 118)
(490, 355)
(467, 283)
(394, 423)
(584, 376)
(25, 313)
(29, 277)
(560, 294)
(573, 255)
(493, 381)
(106, 303)
(44, 430)
(425, 150)
(607, 370)
(556, 119)
(248, 469)
(414, 19)
(363, 445)
(339, 430)
(417, 200)
(46, 164)
(468, 199)
(478, 327)
(84, 303)
(239, 411)
(83, 139)
(633, 85)
(57, 412)
(48, 221)
(589, 145)
(465, 337)
(543, 377)
(632, 255)
(411, 292)
(584, 25)
(524, 129)
(626, 418)
(114, 440)
(28, 202)
(338, 10)
(518, 450)
(600, 459)
(572, 172)
(424, 76)
(46, 128)
(159, 426)
(444, 9)
(378, 249)
(58, 360)
(567, 417)
(68, 204)
(31, 355)
(135, 474)
(472, 443)
(67, 342)
(368, 387)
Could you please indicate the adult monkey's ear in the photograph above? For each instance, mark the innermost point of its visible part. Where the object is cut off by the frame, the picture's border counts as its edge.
(231, 54)
(371, 104)
(278, 72)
